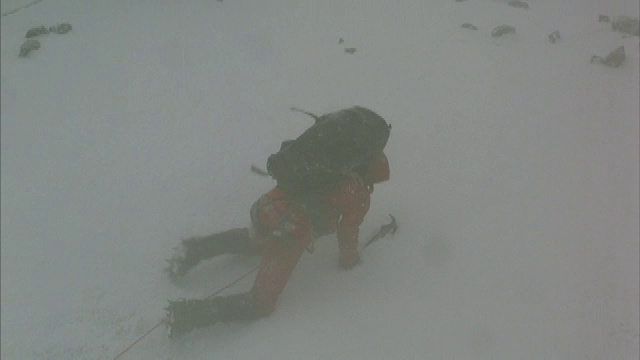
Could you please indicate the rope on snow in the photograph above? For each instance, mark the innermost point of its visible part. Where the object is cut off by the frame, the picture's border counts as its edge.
(162, 322)
(21, 7)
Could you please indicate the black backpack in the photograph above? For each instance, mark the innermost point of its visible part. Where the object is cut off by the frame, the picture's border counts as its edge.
(338, 143)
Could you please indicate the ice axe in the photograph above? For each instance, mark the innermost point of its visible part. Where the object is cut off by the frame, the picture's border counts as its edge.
(389, 228)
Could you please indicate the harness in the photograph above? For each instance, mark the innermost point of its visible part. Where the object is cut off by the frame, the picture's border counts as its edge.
(314, 208)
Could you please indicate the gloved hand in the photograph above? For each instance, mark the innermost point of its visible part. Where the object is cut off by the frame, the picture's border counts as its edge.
(348, 261)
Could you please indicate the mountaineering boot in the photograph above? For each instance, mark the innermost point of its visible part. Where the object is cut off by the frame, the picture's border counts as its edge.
(193, 250)
(186, 315)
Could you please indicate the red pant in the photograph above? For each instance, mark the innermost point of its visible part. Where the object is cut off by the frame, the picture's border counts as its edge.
(285, 232)
(278, 261)
(280, 254)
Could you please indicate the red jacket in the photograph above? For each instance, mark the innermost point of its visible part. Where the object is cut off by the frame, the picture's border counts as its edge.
(285, 228)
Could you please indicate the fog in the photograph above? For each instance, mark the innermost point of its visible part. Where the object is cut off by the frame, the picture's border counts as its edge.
(514, 176)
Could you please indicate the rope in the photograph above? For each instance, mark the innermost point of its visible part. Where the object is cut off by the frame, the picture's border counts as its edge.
(386, 229)
(234, 281)
(137, 341)
(163, 321)
(21, 7)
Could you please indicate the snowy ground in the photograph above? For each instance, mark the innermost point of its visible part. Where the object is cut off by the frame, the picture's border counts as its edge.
(515, 176)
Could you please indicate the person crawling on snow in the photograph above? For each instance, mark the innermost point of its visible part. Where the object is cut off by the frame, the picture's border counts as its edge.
(284, 222)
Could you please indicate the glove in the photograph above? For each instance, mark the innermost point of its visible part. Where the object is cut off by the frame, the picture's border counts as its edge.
(348, 261)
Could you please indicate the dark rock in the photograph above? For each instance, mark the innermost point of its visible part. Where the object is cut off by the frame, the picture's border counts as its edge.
(350, 50)
(627, 25)
(468, 26)
(33, 32)
(503, 30)
(553, 37)
(62, 28)
(57, 29)
(614, 59)
(603, 18)
(27, 46)
(518, 4)
(340, 41)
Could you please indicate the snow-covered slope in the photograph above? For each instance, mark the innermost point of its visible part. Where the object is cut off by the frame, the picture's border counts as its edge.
(515, 176)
